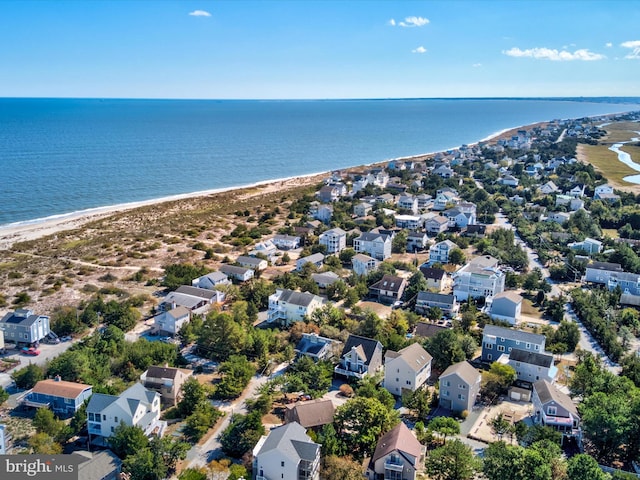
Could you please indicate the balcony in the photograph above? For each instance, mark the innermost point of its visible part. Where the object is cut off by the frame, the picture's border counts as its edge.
(393, 466)
(349, 373)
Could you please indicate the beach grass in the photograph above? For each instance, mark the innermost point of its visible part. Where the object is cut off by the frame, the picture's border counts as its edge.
(621, 131)
(610, 232)
(633, 150)
(606, 162)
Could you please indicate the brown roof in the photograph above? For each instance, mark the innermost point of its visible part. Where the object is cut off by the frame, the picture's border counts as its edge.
(165, 372)
(309, 414)
(398, 438)
(60, 388)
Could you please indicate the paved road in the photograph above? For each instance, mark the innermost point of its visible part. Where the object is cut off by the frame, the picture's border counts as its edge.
(200, 455)
(587, 342)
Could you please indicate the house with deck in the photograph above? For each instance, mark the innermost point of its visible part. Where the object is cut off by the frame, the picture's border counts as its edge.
(360, 357)
(439, 252)
(406, 369)
(211, 280)
(23, 326)
(398, 455)
(240, 274)
(376, 245)
(480, 277)
(335, 240)
(364, 264)
(167, 381)
(62, 397)
(499, 340)
(553, 408)
(506, 306)
(288, 306)
(388, 289)
(447, 303)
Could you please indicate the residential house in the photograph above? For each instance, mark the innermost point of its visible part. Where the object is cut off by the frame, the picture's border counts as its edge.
(436, 225)
(266, 248)
(314, 346)
(362, 209)
(558, 217)
(335, 240)
(408, 202)
(324, 279)
(509, 180)
(363, 264)
(553, 408)
(240, 274)
(447, 303)
(286, 242)
(417, 241)
(531, 366)
(62, 397)
(398, 455)
(196, 300)
(316, 259)
(437, 279)
(477, 231)
(169, 322)
(549, 188)
(481, 277)
(577, 191)
(136, 406)
(459, 219)
(254, 263)
(377, 245)
(444, 200)
(439, 252)
(589, 245)
(600, 272)
(406, 369)
(288, 306)
(506, 306)
(444, 172)
(211, 280)
(424, 201)
(601, 190)
(167, 381)
(360, 357)
(498, 340)
(102, 465)
(22, 326)
(4, 439)
(329, 193)
(388, 289)
(410, 222)
(286, 452)
(310, 414)
(324, 213)
(429, 329)
(459, 387)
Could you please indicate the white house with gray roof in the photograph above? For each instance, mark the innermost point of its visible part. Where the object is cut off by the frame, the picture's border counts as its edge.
(447, 303)
(286, 452)
(335, 240)
(531, 366)
(288, 306)
(481, 277)
(241, 274)
(376, 245)
(406, 369)
(136, 406)
(506, 306)
(555, 409)
(211, 280)
(439, 252)
(364, 264)
(254, 263)
(361, 356)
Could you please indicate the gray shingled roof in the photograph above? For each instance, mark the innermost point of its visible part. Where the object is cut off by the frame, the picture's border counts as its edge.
(436, 297)
(289, 440)
(532, 358)
(548, 392)
(196, 292)
(297, 298)
(368, 346)
(614, 267)
(512, 334)
(464, 370)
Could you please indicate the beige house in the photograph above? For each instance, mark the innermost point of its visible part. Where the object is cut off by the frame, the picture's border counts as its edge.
(407, 369)
(167, 381)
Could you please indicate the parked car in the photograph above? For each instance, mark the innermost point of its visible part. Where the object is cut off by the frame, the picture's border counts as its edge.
(66, 338)
(31, 351)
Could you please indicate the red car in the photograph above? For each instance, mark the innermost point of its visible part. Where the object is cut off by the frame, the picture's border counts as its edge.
(31, 351)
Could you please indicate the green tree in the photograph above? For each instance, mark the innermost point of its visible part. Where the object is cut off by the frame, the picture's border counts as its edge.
(417, 283)
(42, 443)
(127, 440)
(193, 394)
(28, 376)
(496, 381)
(417, 401)
(567, 333)
(342, 468)
(70, 365)
(236, 374)
(445, 426)
(452, 461)
(45, 421)
(201, 419)
(584, 467)
(144, 465)
(445, 349)
(242, 434)
(4, 395)
(193, 474)
(360, 422)
(182, 274)
(457, 257)
(502, 461)
(500, 426)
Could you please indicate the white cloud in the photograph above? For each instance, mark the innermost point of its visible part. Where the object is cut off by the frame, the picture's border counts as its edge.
(608, 44)
(476, 65)
(634, 45)
(420, 49)
(554, 55)
(410, 22)
(200, 13)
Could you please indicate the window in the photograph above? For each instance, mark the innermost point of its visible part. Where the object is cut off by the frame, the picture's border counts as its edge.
(445, 393)
(489, 357)
(488, 346)
(501, 348)
(116, 419)
(460, 396)
(462, 386)
(552, 410)
(408, 382)
(282, 464)
(528, 346)
(517, 342)
(111, 429)
(537, 347)
(104, 417)
(509, 348)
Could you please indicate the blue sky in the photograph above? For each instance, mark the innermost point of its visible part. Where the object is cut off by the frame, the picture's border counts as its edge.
(319, 49)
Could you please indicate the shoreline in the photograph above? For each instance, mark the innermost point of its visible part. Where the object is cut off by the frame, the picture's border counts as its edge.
(27, 230)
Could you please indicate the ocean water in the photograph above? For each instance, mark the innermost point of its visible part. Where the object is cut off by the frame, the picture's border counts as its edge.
(59, 156)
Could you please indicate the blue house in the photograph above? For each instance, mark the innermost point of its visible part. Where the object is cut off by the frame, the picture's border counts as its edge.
(64, 398)
(498, 340)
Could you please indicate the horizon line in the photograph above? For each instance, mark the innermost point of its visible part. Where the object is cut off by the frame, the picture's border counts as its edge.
(558, 97)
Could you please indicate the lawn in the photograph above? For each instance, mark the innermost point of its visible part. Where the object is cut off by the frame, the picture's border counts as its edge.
(530, 310)
(610, 232)
(621, 131)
